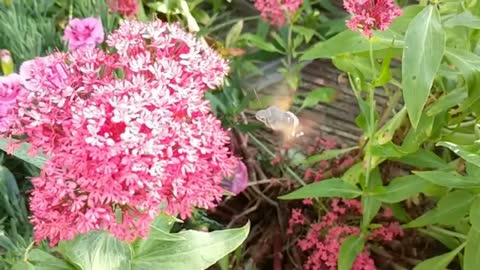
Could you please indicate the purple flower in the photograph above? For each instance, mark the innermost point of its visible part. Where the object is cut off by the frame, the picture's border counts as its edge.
(83, 33)
(239, 180)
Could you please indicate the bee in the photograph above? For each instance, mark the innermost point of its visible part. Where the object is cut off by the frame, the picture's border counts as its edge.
(280, 120)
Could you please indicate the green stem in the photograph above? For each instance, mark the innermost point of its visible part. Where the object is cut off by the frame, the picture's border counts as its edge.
(448, 232)
(371, 96)
(27, 250)
(227, 23)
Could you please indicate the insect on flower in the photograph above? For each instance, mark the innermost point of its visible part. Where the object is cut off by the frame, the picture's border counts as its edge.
(279, 120)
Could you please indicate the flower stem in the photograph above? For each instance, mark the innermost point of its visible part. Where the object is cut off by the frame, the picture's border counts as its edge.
(371, 129)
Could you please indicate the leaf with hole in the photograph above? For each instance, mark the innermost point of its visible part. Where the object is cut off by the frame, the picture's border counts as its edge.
(423, 52)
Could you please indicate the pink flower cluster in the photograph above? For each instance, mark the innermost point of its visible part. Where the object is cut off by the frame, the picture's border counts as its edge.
(324, 238)
(277, 11)
(127, 130)
(83, 33)
(315, 173)
(10, 91)
(128, 8)
(371, 14)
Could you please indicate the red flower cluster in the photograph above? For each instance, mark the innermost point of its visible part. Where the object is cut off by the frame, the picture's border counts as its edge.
(127, 130)
(325, 237)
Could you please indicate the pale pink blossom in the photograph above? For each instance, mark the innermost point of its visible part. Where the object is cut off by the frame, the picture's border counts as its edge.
(128, 130)
(368, 15)
(83, 33)
(10, 91)
(276, 12)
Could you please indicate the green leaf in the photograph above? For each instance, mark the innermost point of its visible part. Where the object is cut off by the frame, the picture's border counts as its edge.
(21, 265)
(452, 207)
(370, 208)
(475, 214)
(385, 133)
(46, 261)
(467, 62)
(400, 189)
(447, 101)
(346, 42)
(258, 42)
(321, 94)
(447, 240)
(327, 155)
(471, 259)
(363, 120)
(333, 187)
(349, 250)
(423, 52)
(199, 250)
(388, 150)
(385, 74)
(466, 19)
(439, 262)
(449, 179)
(423, 159)
(234, 34)
(307, 33)
(22, 152)
(96, 250)
(468, 153)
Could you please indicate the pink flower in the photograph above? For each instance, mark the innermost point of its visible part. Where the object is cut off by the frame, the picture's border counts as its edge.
(10, 90)
(127, 129)
(127, 8)
(371, 14)
(276, 11)
(83, 33)
(240, 179)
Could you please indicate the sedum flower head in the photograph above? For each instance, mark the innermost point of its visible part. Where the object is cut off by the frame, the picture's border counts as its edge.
(368, 15)
(128, 130)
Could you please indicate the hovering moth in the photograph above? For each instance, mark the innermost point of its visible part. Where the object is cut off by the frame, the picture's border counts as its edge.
(280, 120)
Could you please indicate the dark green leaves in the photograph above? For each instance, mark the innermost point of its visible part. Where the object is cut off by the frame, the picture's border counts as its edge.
(334, 187)
(423, 52)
